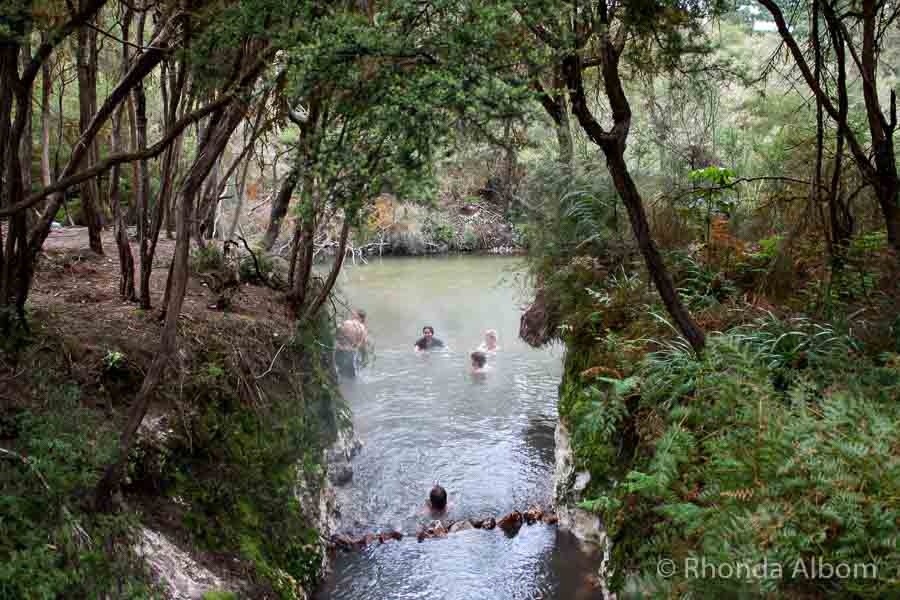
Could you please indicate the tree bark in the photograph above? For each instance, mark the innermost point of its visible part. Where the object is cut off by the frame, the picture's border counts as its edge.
(612, 143)
(879, 166)
(26, 144)
(281, 202)
(85, 53)
(126, 258)
(320, 299)
(223, 124)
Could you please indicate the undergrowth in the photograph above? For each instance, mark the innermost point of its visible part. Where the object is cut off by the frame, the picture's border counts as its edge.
(51, 544)
(240, 467)
(776, 449)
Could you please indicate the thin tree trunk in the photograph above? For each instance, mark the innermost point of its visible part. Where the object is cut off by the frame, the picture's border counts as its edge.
(87, 100)
(612, 143)
(222, 126)
(333, 275)
(172, 87)
(281, 202)
(26, 144)
(126, 258)
(879, 165)
(46, 92)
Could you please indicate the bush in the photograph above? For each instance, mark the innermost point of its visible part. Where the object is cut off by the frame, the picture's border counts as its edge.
(443, 233)
(732, 469)
(51, 544)
(239, 465)
(257, 271)
(207, 260)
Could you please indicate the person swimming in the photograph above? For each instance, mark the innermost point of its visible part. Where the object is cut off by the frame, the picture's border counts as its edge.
(437, 499)
(479, 362)
(427, 341)
(490, 341)
(350, 341)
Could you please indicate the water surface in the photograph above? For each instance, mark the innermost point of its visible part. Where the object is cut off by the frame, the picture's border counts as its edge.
(424, 419)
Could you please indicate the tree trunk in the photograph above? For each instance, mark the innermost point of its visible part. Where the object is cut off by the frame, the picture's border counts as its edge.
(172, 84)
(335, 271)
(878, 166)
(87, 100)
(280, 204)
(222, 125)
(630, 196)
(612, 143)
(26, 144)
(126, 258)
(46, 92)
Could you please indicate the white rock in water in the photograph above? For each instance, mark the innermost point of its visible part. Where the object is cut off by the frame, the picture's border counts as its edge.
(56, 225)
(461, 526)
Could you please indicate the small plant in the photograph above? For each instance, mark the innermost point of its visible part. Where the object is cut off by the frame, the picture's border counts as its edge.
(470, 238)
(444, 233)
(206, 260)
(113, 360)
(220, 596)
(258, 270)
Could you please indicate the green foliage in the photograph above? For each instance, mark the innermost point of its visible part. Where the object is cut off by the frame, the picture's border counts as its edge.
(700, 286)
(220, 596)
(248, 268)
(241, 463)
(207, 260)
(113, 360)
(444, 233)
(470, 238)
(51, 544)
(732, 467)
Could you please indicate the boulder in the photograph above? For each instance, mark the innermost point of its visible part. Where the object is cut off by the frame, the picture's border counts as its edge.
(461, 526)
(511, 523)
(533, 515)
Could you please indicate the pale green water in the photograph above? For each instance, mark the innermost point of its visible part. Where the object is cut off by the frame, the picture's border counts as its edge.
(424, 419)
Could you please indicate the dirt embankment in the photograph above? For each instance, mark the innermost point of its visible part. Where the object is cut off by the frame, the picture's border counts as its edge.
(220, 427)
(470, 226)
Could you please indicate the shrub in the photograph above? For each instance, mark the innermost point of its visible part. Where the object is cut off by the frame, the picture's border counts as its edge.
(51, 544)
(731, 470)
(249, 266)
(207, 260)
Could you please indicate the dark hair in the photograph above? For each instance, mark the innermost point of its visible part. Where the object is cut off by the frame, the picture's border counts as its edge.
(428, 327)
(438, 498)
(479, 358)
(361, 314)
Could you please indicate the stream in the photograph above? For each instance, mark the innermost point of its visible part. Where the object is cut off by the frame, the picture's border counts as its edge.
(425, 419)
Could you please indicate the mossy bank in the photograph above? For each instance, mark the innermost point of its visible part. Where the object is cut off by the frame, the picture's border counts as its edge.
(226, 490)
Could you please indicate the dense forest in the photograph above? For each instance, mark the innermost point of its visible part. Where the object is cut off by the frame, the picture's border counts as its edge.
(706, 194)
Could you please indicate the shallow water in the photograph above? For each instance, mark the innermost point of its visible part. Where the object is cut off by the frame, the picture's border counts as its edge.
(425, 419)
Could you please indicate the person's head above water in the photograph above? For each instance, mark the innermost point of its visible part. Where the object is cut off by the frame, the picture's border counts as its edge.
(490, 338)
(428, 331)
(360, 315)
(479, 359)
(437, 498)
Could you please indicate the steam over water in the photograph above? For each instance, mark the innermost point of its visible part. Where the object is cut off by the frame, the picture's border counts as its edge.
(423, 419)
